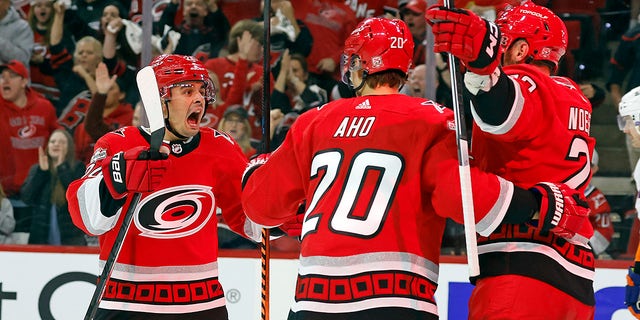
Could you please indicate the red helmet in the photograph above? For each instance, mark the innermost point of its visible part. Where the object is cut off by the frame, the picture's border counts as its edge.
(380, 44)
(172, 69)
(539, 26)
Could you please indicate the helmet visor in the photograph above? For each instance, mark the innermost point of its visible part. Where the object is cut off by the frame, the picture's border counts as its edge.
(349, 64)
(626, 123)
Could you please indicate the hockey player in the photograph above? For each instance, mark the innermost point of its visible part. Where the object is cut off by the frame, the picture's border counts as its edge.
(529, 126)
(372, 169)
(629, 123)
(168, 267)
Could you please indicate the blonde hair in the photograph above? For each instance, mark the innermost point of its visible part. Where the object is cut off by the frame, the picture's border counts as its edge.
(97, 45)
(245, 141)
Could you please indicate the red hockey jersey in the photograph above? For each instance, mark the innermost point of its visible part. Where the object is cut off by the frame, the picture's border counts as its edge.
(168, 262)
(369, 169)
(544, 138)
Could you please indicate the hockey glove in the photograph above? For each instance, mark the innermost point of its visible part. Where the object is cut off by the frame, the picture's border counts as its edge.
(564, 211)
(255, 163)
(133, 171)
(632, 293)
(462, 33)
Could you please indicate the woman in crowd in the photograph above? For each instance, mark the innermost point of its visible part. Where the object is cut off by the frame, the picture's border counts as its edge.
(45, 188)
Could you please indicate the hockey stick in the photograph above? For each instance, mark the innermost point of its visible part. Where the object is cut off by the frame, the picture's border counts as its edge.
(265, 246)
(148, 88)
(462, 139)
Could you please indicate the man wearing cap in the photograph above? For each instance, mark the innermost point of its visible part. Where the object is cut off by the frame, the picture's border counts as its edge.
(26, 121)
(413, 15)
(16, 37)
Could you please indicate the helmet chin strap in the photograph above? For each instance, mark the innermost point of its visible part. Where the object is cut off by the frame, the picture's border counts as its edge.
(167, 124)
(361, 85)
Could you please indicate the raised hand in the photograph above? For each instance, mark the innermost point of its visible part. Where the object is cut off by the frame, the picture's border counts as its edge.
(103, 81)
(43, 160)
(462, 33)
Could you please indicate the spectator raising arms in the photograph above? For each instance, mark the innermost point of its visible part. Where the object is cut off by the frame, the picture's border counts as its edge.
(203, 30)
(108, 111)
(44, 190)
(41, 18)
(76, 80)
(240, 71)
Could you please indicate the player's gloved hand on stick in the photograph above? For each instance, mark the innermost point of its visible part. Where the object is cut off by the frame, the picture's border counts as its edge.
(632, 292)
(462, 33)
(564, 211)
(134, 170)
(256, 162)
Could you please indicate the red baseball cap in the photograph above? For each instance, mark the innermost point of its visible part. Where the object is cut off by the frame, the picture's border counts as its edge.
(417, 6)
(17, 67)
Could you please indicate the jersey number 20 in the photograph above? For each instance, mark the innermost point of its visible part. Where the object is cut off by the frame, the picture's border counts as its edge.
(388, 168)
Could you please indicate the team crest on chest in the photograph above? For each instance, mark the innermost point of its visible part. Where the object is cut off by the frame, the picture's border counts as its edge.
(175, 212)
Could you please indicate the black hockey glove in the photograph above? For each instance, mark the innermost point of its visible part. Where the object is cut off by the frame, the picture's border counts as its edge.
(564, 211)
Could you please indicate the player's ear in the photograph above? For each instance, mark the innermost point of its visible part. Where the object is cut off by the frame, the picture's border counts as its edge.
(521, 50)
(165, 109)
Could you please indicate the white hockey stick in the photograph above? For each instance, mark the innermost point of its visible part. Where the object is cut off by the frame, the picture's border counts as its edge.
(463, 162)
(150, 96)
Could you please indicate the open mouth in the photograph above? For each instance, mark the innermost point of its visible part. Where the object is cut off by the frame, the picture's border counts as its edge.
(194, 118)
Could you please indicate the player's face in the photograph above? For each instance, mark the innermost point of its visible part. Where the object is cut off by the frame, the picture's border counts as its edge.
(631, 128)
(186, 108)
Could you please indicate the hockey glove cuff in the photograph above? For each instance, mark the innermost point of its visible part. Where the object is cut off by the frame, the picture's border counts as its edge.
(133, 171)
(564, 211)
(462, 33)
(255, 163)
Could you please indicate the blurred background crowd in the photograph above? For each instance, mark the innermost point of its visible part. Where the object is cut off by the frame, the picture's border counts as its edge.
(68, 77)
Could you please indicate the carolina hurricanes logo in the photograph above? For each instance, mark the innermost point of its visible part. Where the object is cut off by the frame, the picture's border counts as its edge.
(27, 131)
(175, 212)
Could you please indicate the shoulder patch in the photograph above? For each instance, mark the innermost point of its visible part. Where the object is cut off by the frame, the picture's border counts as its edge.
(98, 154)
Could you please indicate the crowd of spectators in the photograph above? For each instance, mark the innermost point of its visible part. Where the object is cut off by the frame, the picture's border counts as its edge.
(68, 70)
